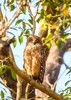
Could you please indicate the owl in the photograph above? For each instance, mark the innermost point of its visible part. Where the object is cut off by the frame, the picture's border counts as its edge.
(34, 58)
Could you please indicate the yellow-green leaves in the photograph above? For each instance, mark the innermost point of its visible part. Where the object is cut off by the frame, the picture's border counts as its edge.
(15, 43)
(11, 5)
(65, 10)
(20, 38)
(18, 21)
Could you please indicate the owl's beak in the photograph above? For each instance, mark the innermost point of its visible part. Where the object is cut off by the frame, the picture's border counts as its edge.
(34, 42)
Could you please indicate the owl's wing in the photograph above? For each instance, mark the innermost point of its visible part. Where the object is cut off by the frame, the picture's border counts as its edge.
(27, 60)
(36, 63)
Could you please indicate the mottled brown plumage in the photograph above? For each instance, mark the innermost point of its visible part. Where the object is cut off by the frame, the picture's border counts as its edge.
(34, 58)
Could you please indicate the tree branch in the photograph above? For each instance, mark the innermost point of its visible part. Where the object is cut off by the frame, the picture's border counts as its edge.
(7, 24)
(23, 75)
(33, 17)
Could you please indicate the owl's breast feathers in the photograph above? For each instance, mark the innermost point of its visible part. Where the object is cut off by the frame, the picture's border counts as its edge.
(34, 59)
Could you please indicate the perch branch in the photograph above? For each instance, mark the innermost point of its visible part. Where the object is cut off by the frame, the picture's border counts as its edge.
(32, 82)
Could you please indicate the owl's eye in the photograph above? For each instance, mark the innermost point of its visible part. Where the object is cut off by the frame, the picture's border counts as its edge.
(35, 41)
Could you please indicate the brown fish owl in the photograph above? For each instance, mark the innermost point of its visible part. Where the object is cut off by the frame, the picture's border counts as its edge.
(34, 58)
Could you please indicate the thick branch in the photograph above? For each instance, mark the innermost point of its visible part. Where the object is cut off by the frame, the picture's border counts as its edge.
(32, 82)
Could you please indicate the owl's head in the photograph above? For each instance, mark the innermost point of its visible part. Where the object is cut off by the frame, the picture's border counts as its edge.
(34, 39)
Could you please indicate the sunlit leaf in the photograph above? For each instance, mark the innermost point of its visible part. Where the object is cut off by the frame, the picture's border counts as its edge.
(24, 25)
(65, 12)
(45, 1)
(49, 29)
(43, 24)
(63, 40)
(0, 69)
(10, 2)
(31, 21)
(13, 74)
(64, 6)
(63, 37)
(49, 37)
(18, 22)
(11, 7)
(39, 18)
(20, 38)
(14, 43)
(58, 43)
(49, 16)
(4, 81)
(27, 33)
(2, 94)
(54, 26)
(48, 45)
(24, 10)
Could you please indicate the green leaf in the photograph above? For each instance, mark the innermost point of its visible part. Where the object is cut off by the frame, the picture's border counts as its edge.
(45, 1)
(11, 7)
(39, 19)
(59, 44)
(48, 45)
(24, 10)
(27, 32)
(37, 4)
(63, 40)
(24, 25)
(49, 16)
(19, 21)
(49, 37)
(9, 2)
(14, 43)
(20, 38)
(2, 95)
(0, 69)
(65, 35)
(31, 21)
(13, 74)
(67, 82)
